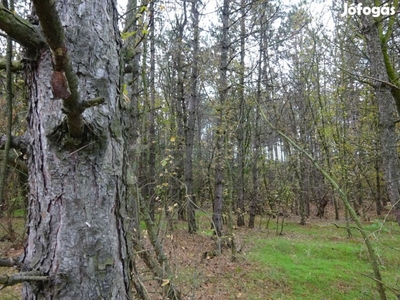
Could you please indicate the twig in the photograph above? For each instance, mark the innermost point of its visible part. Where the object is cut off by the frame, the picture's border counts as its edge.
(9, 262)
(81, 148)
(393, 290)
(8, 280)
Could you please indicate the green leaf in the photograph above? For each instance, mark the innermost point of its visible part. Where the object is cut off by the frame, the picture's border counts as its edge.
(126, 35)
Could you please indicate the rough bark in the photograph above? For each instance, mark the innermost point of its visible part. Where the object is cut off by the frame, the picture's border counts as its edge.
(387, 114)
(64, 81)
(79, 230)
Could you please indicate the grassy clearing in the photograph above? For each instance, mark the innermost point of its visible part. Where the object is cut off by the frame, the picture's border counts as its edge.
(320, 262)
(316, 261)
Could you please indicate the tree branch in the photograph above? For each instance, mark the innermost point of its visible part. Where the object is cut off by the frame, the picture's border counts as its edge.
(64, 81)
(15, 162)
(93, 102)
(10, 262)
(20, 30)
(8, 280)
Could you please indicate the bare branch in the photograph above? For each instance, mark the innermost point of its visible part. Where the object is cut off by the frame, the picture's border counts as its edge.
(14, 159)
(93, 102)
(64, 81)
(8, 280)
(357, 77)
(19, 29)
(15, 162)
(9, 262)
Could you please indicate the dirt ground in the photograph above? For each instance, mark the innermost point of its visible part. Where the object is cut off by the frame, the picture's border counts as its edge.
(10, 248)
(199, 274)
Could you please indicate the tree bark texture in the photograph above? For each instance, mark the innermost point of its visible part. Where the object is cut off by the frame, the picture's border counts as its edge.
(78, 224)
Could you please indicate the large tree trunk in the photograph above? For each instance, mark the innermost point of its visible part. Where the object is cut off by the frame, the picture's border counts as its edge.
(387, 114)
(76, 229)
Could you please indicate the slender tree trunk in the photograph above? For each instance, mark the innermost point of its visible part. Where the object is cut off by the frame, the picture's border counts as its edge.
(78, 229)
(219, 185)
(255, 172)
(151, 119)
(143, 173)
(131, 58)
(191, 121)
(223, 90)
(8, 116)
(256, 140)
(181, 116)
(303, 170)
(256, 154)
(378, 200)
(240, 131)
(325, 149)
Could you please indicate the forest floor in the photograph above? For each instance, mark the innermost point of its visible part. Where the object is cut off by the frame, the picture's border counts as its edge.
(315, 261)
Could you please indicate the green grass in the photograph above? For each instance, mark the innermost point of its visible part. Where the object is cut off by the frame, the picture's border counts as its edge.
(320, 262)
(19, 213)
